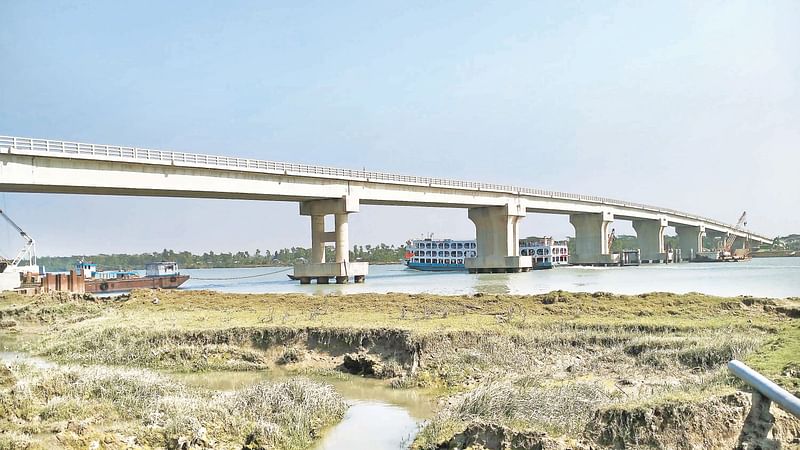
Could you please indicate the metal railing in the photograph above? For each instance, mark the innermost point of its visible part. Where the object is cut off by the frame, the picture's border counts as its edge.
(765, 387)
(135, 154)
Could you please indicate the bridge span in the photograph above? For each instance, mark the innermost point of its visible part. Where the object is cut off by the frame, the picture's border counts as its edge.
(49, 166)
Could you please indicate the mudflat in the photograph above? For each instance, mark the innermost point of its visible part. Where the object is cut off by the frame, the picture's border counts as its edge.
(557, 370)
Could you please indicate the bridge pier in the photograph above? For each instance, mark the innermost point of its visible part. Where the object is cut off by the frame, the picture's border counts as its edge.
(497, 236)
(591, 239)
(650, 234)
(341, 269)
(690, 240)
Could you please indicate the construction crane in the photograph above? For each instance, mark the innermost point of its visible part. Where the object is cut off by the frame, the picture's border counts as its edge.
(728, 245)
(28, 250)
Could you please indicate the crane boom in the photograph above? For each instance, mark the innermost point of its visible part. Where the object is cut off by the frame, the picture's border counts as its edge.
(29, 249)
(732, 238)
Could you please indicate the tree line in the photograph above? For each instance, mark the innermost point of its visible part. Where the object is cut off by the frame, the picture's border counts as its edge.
(381, 253)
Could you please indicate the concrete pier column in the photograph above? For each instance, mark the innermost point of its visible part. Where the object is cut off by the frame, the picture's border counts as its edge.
(342, 241)
(690, 240)
(317, 239)
(341, 269)
(591, 238)
(650, 234)
(497, 236)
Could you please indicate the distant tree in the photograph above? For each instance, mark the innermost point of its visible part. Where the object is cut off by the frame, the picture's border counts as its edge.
(381, 253)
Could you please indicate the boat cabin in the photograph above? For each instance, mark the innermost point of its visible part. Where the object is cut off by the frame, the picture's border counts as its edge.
(444, 252)
(87, 269)
(114, 274)
(161, 269)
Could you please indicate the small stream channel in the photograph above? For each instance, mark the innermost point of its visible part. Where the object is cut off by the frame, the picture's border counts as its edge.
(378, 417)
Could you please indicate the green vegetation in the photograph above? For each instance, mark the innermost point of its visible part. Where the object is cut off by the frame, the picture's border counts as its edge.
(580, 367)
(790, 242)
(382, 253)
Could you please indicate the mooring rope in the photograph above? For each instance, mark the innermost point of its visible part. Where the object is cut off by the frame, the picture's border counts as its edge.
(243, 277)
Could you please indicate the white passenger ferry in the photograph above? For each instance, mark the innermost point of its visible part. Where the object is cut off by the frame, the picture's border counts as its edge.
(439, 254)
(546, 252)
(447, 254)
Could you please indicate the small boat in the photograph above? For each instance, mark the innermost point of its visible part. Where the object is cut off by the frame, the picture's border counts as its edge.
(158, 275)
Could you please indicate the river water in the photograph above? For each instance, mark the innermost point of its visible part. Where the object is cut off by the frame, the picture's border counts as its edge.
(761, 277)
(378, 416)
(383, 418)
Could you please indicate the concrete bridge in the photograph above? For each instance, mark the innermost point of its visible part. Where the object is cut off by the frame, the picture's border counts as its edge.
(47, 166)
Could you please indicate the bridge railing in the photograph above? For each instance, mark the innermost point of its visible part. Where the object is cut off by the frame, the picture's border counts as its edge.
(765, 387)
(100, 151)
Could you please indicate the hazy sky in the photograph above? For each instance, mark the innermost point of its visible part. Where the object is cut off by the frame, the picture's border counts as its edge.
(688, 105)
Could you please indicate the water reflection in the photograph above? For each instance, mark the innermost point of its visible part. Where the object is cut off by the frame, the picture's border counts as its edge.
(768, 277)
(379, 417)
(10, 352)
(371, 425)
(352, 387)
(493, 283)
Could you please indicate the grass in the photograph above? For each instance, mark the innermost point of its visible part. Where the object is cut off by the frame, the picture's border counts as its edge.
(779, 357)
(160, 412)
(561, 409)
(541, 362)
(202, 310)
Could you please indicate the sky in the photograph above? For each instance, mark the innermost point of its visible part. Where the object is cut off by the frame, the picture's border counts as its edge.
(688, 105)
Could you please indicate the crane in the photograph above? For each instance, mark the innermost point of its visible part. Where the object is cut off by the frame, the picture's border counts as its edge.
(728, 245)
(28, 250)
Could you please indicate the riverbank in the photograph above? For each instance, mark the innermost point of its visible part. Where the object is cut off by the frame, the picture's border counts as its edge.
(776, 254)
(561, 369)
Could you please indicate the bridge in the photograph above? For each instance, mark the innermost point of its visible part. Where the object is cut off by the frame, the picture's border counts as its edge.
(50, 166)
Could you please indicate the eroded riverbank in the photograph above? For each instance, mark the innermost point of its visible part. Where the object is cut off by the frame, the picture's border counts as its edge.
(558, 369)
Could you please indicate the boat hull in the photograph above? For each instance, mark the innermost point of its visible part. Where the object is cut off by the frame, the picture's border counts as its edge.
(127, 284)
(426, 267)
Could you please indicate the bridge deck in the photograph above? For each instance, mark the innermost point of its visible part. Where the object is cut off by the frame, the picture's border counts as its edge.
(538, 199)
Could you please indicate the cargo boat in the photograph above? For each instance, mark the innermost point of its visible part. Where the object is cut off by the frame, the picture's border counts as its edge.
(158, 275)
(721, 256)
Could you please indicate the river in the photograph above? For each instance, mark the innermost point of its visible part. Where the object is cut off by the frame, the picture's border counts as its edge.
(761, 277)
(383, 418)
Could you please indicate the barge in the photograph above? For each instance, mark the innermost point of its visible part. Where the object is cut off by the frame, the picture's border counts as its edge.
(158, 275)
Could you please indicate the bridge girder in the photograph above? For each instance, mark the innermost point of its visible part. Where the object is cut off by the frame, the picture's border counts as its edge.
(40, 171)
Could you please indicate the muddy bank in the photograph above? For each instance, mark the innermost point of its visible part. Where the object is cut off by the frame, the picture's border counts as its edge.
(557, 369)
(250, 348)
(711, 422)
(716, 422)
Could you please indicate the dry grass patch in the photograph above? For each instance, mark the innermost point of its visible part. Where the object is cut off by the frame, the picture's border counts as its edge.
(80, 404)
